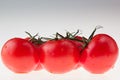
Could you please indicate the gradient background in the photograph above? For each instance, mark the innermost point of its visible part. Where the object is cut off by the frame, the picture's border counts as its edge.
(50, 16)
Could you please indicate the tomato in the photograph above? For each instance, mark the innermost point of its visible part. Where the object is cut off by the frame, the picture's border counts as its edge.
(19, 55)
(79, 44)
(100, 54)
(39, 66)
(59, 56)
(37, 46)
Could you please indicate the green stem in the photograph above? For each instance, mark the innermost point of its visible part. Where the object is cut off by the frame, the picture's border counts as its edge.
(76, 33)
(91, 36)
(33, 39)
(59, 35)
(28, 34)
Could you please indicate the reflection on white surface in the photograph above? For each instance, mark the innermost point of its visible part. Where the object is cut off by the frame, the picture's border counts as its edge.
(79, 74)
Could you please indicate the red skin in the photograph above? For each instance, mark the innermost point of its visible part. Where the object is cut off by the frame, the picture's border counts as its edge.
(80, 46)
(39, 66)
(78, 43)
(100, 55)
(59, 56)
(19, 55)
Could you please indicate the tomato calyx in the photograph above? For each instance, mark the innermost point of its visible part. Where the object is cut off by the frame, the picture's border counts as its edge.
(34, 40)
(69, 35)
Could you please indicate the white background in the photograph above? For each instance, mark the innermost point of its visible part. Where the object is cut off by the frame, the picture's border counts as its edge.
(50, 16)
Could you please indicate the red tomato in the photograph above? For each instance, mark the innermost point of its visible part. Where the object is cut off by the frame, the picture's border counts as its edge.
(19, 55)
(59, 56)
(37, 46)
(39, 66)
(78, 43)
(100, 54)
(80, 46)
